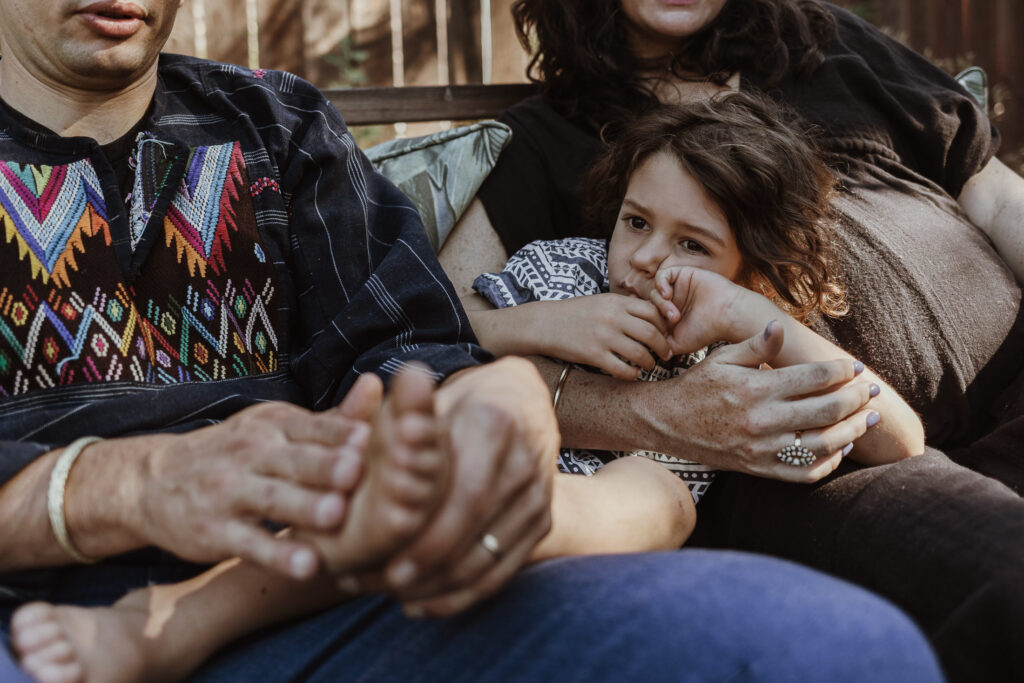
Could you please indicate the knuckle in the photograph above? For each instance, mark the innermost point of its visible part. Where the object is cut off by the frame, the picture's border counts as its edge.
(821, 375)
(754, 423)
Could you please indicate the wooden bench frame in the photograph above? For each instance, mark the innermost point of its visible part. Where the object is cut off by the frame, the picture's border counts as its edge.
(365, 106)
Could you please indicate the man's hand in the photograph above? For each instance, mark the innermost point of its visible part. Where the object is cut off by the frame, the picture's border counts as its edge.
(204, 494)
(501, 432)
(614, 333)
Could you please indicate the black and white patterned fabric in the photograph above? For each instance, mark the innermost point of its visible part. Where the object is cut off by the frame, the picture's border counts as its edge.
(554, 270)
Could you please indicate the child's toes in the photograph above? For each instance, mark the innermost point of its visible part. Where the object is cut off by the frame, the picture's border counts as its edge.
(32, 613)
(413, 391)
(416, 430)
(28, 639)
(69, 672)
(53, 663)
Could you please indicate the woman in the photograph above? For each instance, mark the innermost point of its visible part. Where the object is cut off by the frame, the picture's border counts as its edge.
(934, 308)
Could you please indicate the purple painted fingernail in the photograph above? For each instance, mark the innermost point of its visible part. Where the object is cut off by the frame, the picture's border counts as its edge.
(768, 328)
(874, 390)
(846, 449)
(858, 368)
(873, 418)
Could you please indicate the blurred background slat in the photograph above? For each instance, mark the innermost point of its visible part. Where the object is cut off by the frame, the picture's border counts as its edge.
(377, 43)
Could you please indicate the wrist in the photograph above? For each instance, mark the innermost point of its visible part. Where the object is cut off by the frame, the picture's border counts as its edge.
(746, 314)
(104, 501)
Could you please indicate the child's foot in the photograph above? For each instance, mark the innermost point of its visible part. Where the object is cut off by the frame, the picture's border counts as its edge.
(84, 645)
(406, 476)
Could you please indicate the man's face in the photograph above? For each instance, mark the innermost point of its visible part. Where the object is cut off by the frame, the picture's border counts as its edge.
(85, 44)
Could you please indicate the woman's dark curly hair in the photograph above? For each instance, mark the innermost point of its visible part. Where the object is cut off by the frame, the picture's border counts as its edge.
(760, 170)
(583, 60)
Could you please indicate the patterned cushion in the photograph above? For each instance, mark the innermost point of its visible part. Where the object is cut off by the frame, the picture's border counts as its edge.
(442, 172)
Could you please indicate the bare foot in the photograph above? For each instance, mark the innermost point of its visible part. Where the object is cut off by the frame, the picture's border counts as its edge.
(406, 476)
(85, 645)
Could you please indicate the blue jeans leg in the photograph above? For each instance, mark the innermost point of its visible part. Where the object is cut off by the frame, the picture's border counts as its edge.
(693, 615)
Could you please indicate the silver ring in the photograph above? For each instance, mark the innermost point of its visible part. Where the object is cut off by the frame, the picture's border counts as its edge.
(797, 454)
(490, 543)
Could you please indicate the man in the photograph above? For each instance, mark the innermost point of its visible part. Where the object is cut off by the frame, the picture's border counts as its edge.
(197, 265)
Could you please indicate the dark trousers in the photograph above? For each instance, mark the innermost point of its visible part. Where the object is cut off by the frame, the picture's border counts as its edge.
(943, 542)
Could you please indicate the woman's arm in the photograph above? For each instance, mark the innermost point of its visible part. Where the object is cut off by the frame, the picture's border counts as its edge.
(993, 200)
(630, 505)
(707, 306)
(723, 412)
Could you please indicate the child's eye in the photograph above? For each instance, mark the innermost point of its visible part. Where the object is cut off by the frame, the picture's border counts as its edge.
(693, 246)
(636, 222)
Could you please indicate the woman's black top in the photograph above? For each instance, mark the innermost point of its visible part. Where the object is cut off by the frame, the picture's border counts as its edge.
(934, 309)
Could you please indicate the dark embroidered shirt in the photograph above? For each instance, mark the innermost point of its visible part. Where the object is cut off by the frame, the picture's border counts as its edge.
(260, 258)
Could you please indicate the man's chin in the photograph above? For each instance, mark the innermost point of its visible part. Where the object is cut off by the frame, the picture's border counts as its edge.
(112, 68)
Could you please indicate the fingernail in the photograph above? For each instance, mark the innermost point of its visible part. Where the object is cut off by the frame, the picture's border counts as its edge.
(328, 511)
(414, 611)
(846, 449)
(858, 367)
(402, 574)
(768, 328)
(873, 418)
(343, 475)
(349, 585)
(303, 564)
(875, 390)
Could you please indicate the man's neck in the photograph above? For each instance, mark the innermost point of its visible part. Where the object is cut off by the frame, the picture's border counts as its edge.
(102, 115)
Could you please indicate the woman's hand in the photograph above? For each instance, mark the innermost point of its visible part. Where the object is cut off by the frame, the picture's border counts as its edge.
(724, 412)
(614, 333)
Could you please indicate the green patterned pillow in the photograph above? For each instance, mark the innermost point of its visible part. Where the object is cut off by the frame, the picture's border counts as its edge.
(442, 172)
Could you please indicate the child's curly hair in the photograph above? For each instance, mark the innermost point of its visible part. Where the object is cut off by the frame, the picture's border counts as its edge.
(764, 174)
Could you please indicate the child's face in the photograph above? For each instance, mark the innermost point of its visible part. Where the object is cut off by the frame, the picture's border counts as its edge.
(667, 219)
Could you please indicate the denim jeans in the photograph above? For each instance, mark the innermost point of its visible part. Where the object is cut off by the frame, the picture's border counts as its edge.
(693, 615)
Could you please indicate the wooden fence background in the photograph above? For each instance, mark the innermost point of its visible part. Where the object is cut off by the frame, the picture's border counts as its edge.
(337, 43)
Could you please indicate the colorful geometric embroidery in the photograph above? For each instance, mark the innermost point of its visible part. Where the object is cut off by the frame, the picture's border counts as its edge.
(47, 210)
(264, 183)
(152, 162)
(193, 221)
(201, 307)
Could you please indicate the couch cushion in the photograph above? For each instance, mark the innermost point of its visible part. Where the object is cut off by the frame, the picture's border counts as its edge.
(442, 172)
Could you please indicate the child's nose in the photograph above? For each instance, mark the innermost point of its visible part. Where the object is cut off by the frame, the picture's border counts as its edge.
(648, 258)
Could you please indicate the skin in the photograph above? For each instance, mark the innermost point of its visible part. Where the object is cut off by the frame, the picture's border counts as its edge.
(667, 220)
(65, 68)
(654, 27)
(165, 632)
(200, 495)
(725, 412)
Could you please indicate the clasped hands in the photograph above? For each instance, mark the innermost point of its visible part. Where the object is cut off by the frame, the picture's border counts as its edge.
(205, 495)
(724, 412)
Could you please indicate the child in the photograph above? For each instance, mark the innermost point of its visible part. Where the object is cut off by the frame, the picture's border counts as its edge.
(720, 215)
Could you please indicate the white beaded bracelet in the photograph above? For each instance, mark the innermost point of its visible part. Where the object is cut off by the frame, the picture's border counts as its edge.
(55, 496)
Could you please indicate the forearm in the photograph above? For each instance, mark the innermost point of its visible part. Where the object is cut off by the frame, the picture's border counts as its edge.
(517, 331)
(598, 411)
(630, 505)
(994, 201)
(100, 504)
